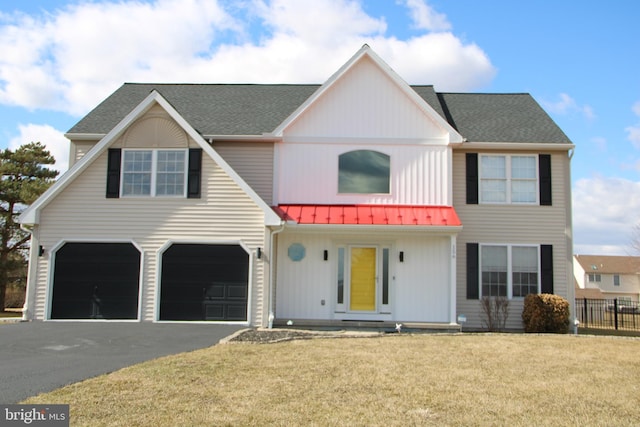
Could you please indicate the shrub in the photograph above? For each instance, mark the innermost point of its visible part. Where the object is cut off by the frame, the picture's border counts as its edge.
(496, 312)
(545, 313)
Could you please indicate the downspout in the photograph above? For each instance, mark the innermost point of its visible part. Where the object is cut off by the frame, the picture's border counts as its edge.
(272, 274)
(26, 314)
(571, 288)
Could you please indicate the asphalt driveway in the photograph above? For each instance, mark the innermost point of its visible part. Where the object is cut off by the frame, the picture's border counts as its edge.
(37, 357)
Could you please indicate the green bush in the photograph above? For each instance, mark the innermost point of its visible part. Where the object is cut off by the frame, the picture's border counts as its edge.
(545, 313)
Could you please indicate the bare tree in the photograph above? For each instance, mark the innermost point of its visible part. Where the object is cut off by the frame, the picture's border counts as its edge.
(635, 239)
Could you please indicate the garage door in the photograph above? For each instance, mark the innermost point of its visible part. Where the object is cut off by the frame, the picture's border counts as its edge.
(204, 282)
(96, 281)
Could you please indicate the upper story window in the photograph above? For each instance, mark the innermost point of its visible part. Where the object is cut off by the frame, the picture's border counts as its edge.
(154, 173)
(150, 173)
(616, 280)
(595, 278)
(508, 179)
(364, 172)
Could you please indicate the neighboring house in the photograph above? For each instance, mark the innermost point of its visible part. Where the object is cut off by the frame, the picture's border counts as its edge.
(611, 276)
(363, 199)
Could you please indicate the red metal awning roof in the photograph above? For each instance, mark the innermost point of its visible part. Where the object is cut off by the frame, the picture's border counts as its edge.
(443, 216)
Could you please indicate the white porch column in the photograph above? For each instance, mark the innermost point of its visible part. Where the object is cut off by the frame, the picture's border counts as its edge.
(452, 282)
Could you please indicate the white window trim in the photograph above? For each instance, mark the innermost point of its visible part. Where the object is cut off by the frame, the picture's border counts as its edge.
(509, 247)
(509, 180)
(339, 193)
(154, 174)
(380, 247)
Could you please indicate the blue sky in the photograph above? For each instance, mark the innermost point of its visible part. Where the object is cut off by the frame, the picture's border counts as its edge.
(578, 59)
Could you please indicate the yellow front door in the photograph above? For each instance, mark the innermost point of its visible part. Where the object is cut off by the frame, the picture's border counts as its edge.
(363, 279)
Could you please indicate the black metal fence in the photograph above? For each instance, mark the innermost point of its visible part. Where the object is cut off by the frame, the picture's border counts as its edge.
(608, 314)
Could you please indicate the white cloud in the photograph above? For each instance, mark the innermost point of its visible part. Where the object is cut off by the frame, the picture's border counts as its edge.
(426, 18)
(567, 105)
(53, 139)
(70, 59)
(605, 210)
(633, 132)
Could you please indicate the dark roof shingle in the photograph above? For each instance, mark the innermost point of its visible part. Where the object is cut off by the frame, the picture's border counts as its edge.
(246, 109)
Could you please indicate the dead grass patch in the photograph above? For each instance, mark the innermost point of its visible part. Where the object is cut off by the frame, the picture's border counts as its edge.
(443, 380)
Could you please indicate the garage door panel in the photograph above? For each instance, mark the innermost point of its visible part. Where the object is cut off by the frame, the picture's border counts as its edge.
(96, 281)
(200, 282)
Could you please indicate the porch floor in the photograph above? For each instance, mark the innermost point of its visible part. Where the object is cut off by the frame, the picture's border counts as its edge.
(379, 326)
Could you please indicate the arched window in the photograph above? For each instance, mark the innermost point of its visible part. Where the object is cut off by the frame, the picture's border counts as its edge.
(364, 172)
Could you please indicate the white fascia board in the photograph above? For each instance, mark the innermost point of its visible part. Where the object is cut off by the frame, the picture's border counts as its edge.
(322, 89)
(270, 217)
(370, 228)
(522, 146)
(84, 136)
(454, 136)
(31, 214)
(243, 138)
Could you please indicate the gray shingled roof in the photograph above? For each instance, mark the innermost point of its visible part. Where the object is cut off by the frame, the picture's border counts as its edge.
(243, 109)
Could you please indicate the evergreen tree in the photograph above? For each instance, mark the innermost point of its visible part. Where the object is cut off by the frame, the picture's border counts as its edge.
(23, 177)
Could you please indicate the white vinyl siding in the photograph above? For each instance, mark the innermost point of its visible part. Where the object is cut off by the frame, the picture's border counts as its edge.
(419, 175)
(366, 103)
(418, 288)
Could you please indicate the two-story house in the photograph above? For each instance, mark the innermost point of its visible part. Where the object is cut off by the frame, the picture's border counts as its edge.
(363, 199)
(613, 276)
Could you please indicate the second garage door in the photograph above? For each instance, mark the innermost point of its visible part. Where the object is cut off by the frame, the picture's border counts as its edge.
(204, 282)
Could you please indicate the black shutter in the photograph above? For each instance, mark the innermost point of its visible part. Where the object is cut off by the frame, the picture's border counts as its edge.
(195, 173)
(472, 178)
(546, 269)
(473, 273)
(544, 166)
(113, 173)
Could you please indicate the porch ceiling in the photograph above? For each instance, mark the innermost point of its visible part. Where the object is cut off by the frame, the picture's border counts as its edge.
(370, 215)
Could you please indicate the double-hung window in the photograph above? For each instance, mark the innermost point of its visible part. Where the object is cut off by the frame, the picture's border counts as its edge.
(509, 271)
(155, 173)
(508, 179)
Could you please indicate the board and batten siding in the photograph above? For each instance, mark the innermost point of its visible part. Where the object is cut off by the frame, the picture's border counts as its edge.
(253, 161)
(514, 224)
(365, 103)
(419, 287)
(308, 173)
(81, 212)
